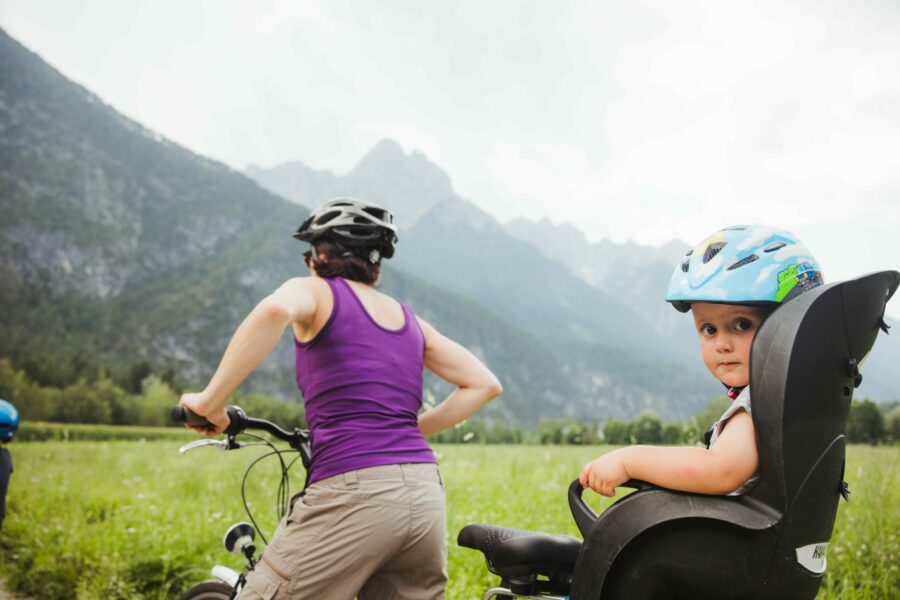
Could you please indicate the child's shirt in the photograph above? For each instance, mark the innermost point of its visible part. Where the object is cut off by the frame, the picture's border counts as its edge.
(741, 402)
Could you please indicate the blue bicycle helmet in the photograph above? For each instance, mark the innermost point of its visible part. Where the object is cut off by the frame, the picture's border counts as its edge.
(9, 421)
(745, 264)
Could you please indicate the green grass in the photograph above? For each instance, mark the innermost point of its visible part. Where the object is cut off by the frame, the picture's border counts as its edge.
(116, 519)
(38, 431)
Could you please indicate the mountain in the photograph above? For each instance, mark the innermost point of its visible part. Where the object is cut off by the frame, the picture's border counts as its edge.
(118, 245)
(457, 246)
(627, 270)
(410, 185)
(100, 214)
(641, 274)
(599, 307)
(452, 243)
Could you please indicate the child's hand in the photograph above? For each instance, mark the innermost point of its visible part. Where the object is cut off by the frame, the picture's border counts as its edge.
(605, 474)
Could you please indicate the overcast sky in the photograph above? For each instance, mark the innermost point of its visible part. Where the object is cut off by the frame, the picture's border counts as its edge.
(633, 120)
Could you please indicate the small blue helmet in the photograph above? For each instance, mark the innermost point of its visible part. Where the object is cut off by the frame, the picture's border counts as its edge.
(745, 264)
(9, 421)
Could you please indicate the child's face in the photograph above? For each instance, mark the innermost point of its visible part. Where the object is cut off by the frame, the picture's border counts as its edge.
(726, 332)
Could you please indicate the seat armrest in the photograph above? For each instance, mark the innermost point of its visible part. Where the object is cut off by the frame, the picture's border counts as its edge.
(583, 514)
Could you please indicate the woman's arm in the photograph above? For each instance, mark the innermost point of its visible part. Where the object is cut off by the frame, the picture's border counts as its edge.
(476, 385)
(717, 470)
(253, 341)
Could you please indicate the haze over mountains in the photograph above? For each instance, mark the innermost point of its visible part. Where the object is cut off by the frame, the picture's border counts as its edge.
(118, 245)
(631, 278)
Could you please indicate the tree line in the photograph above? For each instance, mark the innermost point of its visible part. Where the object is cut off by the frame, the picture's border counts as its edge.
(142, 396)
(139, 396)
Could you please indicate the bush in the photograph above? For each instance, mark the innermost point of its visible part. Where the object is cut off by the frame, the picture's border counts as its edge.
(865, 425)
(38, 431)
(646, 429)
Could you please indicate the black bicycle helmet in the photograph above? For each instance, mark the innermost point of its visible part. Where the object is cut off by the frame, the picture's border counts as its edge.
(355, 224)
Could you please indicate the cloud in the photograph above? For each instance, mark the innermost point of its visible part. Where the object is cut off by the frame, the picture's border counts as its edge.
(633, 120)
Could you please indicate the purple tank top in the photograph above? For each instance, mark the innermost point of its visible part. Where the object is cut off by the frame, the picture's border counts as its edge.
(362, 387)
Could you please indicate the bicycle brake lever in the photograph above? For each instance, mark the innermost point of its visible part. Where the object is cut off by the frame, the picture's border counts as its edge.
(223, 444)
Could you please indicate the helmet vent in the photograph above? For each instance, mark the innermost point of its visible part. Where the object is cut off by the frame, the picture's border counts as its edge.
(377, 213)
(329, 216)
(744, 261)
(774, 246)
(685, 266)
(712, 250)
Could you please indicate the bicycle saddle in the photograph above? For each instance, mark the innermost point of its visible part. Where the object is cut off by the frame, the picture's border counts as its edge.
(520, 556)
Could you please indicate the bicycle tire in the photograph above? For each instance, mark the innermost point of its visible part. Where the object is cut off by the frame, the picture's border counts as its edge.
(209, 590)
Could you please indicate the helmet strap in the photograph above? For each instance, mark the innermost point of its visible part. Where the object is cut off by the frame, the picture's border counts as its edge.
(372, 255)
(734, 392)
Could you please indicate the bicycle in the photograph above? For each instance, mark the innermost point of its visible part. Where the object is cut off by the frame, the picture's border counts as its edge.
(239, 537)
(546, 581)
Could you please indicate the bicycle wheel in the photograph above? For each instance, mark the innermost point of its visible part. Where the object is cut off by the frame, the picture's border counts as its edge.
(209, 590)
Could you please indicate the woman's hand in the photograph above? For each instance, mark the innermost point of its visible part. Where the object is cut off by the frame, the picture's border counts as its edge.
(476, 385)
(200, 404)
(605, 474)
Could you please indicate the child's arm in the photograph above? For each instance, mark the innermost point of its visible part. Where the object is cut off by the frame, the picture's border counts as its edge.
(717, 470)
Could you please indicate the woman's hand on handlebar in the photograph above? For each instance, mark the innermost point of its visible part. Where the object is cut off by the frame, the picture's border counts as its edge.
(199, 404)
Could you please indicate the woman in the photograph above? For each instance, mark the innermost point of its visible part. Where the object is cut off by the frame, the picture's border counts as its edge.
(372, 521)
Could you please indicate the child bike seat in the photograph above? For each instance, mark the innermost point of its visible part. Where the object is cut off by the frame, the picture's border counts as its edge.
(769, 543)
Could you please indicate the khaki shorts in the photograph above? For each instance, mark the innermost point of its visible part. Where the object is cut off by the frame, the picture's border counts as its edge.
(379, 533)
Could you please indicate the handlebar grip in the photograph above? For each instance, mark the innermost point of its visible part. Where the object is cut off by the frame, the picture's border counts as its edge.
(182, 414)
(237, 419)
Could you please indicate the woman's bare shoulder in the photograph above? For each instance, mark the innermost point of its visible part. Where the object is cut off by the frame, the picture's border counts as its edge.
(306, 284)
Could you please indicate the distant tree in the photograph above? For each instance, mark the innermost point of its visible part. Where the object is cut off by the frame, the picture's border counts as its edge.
(892, 425)
(156, 402)
(616, 432)
(711, 412)
(563, 431)
(80, 403)
(646, 429)
(137, 373)
(47, 372)
(500, 433)
(123, 408)
(672, 434)
(33, 402)
(12, 381)
(284, 414)
(865, 425)
(169, 376)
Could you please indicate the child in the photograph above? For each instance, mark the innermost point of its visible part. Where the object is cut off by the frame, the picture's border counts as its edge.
(730, 282)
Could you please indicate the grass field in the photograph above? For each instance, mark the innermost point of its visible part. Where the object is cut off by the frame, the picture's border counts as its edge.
(117, 519)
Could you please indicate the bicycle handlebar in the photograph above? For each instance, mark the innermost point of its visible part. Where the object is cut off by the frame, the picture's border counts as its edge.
(298, 439)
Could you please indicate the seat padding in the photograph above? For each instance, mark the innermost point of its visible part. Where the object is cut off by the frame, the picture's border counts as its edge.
(520, 552)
